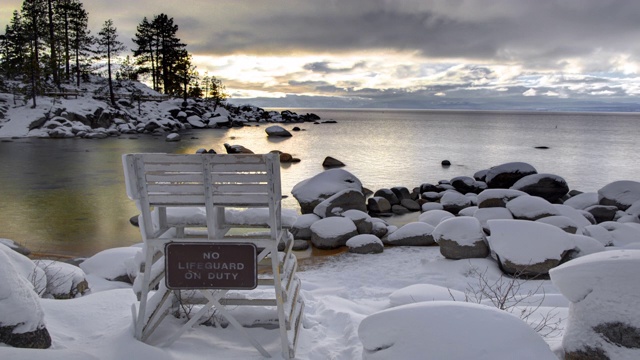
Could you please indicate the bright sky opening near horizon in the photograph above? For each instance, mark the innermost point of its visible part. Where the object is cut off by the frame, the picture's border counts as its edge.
(498, 54)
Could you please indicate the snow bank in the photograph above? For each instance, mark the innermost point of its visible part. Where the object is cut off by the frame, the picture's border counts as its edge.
(449, 330)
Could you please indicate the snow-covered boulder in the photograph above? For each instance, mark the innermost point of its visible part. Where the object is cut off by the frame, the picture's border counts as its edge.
(547, 186)
(528, 248)
(277, 131)
(173, 137)
(599, 233)
(361, 219)
(237, 149)
(113, 264)
(365, 244)
(21, 319)
(505, 175)
(485, 214)
(531, 208)
(577, 216)
(466, 184)
(497, 197)
(313, 191)
(301, 228)
(604, 321)
(562, 222)
(332, 232)
(27, 269)
(433, 206)
(64, 281)
(621, 194)
(461, 238)
(602, 213)
(449, 330)
(622, 233)
(453, 201)
(586, 245)
(347, 199)
(424, 292)
(582, 201)
(196, 122)
(412, 234)
(435, 217)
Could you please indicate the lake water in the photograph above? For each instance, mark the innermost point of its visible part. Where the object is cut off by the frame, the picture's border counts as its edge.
(68, 196)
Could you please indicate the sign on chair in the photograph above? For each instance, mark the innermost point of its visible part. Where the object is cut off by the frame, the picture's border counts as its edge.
(210, 266)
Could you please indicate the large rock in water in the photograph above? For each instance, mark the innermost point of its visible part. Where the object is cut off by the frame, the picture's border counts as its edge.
(277, 131)
(412, 234)
(528, 248)
(505, 175)
(547, 186)
(313, 191)
(347, 199)
(604, 321)
(21, 319)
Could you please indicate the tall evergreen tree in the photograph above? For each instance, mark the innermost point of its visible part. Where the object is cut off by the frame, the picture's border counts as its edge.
(109, 47)
(15, 50)
(80, 39)
(53, 55)
(33, 12)
(159, 51)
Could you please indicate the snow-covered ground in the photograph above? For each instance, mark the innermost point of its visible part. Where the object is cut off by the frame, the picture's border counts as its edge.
(339, 291)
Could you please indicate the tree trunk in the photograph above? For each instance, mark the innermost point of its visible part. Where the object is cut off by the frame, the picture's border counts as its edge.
(111, 94)
(52, 44)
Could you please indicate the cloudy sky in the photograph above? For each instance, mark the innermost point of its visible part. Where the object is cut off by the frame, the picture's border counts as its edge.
(477, 54)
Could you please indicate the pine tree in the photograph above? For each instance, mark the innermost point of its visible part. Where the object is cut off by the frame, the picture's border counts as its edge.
(80, 39)
(159, 51)
(108, 47)
(33, 13)
(15, 48)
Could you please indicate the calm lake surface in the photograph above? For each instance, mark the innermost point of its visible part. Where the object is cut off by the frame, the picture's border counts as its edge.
(68, 196)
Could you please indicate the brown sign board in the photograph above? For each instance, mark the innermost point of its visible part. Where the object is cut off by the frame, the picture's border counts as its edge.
(210, 266)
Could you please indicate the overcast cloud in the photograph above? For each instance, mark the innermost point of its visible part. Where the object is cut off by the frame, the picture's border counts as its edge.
(418, 53)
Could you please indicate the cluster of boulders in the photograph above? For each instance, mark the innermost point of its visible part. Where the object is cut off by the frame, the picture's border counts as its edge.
(529, 222)
(97, 120)
(22, 282)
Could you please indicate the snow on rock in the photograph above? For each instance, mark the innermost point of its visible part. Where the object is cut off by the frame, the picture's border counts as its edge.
(112, 264)
(64, 281)
(582, 201)
(312, 191)
(22, 317)
(27, 269)
(586, 245)
(449, 330)
(301, 228)
(599, 233)
(528, 248)
(433, 206)
(547, 186)
(562, 222)
(461, 238)
(497, 197)
(347, 199)
(365, 244)
(531, 208)
(173, 137)
(575, 215)
(621, 194)
(434, 217)
(412, 234)
(622, 233)
(424, 292)
(468, 211)
(332, 232)
(485, 214)
(505, 175)
(604, 321)
(363, 221)
(452, 201)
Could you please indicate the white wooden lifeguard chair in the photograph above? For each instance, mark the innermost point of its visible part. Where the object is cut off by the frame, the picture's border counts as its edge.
(160, 183)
